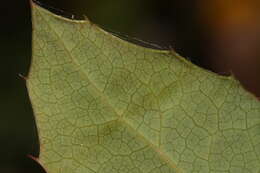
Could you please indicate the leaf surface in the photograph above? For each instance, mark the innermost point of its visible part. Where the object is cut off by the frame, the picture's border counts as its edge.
(104, 105)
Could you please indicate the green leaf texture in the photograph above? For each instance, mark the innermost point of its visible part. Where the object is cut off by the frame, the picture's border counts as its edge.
(104, 105)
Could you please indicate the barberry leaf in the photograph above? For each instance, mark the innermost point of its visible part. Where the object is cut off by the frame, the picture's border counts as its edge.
(104, 105)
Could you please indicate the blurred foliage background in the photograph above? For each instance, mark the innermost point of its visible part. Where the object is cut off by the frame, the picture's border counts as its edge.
(220, 35)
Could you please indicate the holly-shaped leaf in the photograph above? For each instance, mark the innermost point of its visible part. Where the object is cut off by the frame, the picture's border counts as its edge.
(104, 105)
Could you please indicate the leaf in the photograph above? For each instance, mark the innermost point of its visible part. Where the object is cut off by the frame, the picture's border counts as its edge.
(103, 105)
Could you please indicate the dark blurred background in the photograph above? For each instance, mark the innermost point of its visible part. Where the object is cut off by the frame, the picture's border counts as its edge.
(220, 35)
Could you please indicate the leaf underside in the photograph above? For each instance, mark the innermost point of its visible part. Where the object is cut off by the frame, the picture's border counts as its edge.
(103, 105)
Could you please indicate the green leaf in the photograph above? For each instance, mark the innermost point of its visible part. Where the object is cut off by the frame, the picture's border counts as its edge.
(104, 105)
